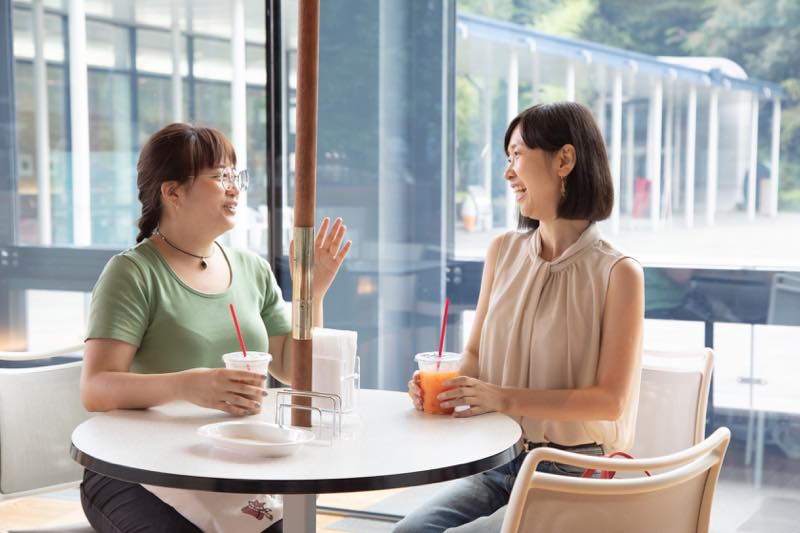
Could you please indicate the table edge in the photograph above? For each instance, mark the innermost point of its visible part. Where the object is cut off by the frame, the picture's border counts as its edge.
(293, 486)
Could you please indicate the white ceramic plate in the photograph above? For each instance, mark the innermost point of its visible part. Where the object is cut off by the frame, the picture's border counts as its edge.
(260, 439)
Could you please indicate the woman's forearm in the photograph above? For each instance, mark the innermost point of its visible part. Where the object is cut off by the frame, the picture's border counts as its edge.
(569, 405)
(107, 390)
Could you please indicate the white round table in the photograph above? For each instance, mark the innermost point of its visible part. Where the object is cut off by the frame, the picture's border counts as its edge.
(384, 444)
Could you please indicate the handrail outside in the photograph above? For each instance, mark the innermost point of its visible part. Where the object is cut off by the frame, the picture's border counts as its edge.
(42, 354)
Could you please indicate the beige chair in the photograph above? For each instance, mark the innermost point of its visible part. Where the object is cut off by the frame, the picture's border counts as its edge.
(39, 408)
(676, 499)
(672, 401)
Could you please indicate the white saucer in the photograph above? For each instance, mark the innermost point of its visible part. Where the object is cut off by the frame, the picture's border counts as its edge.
(260, 439)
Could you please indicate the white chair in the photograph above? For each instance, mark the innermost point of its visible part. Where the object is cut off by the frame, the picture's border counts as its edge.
(40, 406)
(676, 499)
(672, 401)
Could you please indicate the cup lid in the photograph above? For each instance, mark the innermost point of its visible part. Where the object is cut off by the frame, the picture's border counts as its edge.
(432, 357)
(252, 357)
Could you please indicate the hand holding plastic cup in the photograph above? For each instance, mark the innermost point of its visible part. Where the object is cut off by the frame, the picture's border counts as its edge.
(257, 362)
(433, 372)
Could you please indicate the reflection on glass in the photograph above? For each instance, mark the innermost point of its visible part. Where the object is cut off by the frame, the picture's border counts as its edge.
(212, 59)
(107, 46)
(130, 96)
(154, 52)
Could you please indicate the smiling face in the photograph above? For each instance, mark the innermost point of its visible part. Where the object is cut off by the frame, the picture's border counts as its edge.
(533, 175)
(208, 204)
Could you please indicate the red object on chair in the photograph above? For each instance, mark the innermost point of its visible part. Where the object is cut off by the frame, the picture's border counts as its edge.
(609, 474)
(641, 197)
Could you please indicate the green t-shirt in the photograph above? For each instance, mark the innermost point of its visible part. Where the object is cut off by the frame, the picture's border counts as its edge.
(140, 300)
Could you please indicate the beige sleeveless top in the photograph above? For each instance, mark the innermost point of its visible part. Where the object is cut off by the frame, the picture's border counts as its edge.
(542, 331)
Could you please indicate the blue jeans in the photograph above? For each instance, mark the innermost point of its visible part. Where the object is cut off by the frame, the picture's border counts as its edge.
(477, 504)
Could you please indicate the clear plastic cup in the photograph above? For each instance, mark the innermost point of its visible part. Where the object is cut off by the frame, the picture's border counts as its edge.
(257, 362)
(433, 372)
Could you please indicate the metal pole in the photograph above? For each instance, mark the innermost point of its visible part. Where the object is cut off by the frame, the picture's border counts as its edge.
(654, 151)
(691, 140)
(775, 157)
(44, 215)
(752, 174)
(239, 113)
(512, 108)
(79, 117)
(616, 147)
(177, 79)
(570, 83)
(485, 219)
(304, 205)
(713, 154)
(630, 126)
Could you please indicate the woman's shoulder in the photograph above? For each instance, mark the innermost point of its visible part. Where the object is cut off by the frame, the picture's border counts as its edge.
(132, 267)
(621, 266)
(507, 241)
(136, 259)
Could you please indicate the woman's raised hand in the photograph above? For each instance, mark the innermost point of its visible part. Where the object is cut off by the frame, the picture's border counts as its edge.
(415, 391)
(329, 253)
(237, 392)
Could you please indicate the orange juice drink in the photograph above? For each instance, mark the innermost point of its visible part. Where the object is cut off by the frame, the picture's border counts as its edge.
(433, 372)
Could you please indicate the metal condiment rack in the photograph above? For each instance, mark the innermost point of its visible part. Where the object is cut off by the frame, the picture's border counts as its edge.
(335, 410)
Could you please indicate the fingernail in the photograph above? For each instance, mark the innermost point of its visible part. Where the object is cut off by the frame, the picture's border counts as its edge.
(263, 376)
(263, 393)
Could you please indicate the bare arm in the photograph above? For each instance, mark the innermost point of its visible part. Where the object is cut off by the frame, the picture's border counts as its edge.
(107, 383)
(620, 348)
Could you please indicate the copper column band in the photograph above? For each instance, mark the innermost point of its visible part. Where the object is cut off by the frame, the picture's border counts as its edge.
(304, 203)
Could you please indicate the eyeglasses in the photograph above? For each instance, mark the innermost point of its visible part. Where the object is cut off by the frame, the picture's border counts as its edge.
(228, 177)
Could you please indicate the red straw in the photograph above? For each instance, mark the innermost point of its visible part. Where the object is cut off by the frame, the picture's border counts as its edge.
(239, 334)
(444, 326)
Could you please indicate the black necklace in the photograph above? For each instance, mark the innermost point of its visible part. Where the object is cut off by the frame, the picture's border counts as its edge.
(202, 258)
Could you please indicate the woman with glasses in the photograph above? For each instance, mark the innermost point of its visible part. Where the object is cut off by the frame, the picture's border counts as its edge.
(160, 322)
(556, 340)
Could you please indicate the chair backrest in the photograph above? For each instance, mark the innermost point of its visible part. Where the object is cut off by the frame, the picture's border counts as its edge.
(40, 406)
(672, 401)
(676, 499)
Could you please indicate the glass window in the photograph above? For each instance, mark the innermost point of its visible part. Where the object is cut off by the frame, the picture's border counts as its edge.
(382, 166)
(129, 61)
(113, 159)
(705, 160)
(212, 59)
(154, 52)
(107, 45)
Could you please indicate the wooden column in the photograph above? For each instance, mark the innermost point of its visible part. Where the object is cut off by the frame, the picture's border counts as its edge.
(304, 202)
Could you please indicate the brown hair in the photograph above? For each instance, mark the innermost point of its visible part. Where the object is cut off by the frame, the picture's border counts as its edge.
(589, 188)
(175, 153)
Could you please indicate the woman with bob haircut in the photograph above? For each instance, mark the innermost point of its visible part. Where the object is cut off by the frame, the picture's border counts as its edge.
(160, 322)
(556, 341)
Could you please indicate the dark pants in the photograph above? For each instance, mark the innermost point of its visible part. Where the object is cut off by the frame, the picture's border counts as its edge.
(114, 506)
